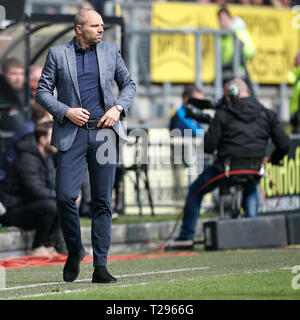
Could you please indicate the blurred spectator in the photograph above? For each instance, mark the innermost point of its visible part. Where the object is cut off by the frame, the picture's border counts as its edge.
(35, 75)
(39, 115)
(12, 96)
(29, 191)
(227, 22)
(178, 120)
(293, 77)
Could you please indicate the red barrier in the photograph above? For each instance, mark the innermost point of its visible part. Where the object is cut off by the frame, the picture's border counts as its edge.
(58, 259)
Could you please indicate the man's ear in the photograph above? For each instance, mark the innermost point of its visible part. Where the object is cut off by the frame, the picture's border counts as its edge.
(78, 28)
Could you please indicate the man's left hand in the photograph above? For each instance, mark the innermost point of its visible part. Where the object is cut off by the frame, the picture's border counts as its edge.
(111, 116)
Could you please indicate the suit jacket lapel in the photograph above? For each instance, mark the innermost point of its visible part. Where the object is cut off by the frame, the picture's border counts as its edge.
(102, 65)
(71, 58)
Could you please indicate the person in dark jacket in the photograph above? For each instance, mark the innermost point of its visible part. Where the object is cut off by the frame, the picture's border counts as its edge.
(39, 115)
(12, 97)
(29, 190)
(239, 132)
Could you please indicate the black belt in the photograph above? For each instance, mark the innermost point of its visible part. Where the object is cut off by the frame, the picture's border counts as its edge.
(90, 125)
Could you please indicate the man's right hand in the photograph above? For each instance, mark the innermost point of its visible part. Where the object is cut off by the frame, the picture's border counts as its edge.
(78, 116)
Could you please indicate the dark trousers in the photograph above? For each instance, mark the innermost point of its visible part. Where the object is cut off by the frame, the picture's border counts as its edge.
(194, 200)
(38, 215)
(90, 147)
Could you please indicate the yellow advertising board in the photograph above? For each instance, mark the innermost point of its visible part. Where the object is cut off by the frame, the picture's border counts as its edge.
(173, 56)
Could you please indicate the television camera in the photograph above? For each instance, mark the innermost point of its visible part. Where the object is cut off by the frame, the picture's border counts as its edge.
(195, 109)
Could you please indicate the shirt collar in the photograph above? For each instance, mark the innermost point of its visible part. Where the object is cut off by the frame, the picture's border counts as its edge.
(78, 48)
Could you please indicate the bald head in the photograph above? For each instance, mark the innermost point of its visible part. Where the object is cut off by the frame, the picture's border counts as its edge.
(82, 16)
(241, 85)
(89, 27)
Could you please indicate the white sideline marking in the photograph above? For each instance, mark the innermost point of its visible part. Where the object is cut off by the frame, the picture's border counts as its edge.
(119, 276)
(77, 290)
(128, 285)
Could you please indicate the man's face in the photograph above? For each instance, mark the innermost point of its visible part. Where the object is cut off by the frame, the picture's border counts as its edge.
(15, 76)
(195, 95)
(92, 30)
(224, 20)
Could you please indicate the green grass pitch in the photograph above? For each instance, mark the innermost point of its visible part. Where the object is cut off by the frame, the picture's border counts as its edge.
(230, 275)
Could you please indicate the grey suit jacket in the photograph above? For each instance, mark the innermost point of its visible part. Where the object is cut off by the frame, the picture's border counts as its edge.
(60, 72)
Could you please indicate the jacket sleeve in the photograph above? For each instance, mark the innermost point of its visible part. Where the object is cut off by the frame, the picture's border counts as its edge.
(28, 169)
(124, 82)
(249, 50)
(212, 137)
(279, 138)
(44, 93)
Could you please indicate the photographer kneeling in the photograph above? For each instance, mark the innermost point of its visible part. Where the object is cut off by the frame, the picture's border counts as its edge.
(239, 131)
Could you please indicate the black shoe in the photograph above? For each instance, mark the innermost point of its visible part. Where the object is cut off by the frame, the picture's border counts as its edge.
(72, 266)
(101, 275)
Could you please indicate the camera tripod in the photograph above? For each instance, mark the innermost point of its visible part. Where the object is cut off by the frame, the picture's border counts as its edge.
(141, 172)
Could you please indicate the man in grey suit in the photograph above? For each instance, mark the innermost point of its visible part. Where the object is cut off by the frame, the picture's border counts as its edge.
(83, 71)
